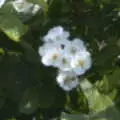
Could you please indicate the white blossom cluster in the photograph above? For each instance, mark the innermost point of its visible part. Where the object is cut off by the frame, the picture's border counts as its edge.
(70, 56)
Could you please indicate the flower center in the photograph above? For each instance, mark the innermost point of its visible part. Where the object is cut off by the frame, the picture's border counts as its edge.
(80, 63)
(64, 61)
(73, 50)
(58, 38)
(55, 56)
(68, 80)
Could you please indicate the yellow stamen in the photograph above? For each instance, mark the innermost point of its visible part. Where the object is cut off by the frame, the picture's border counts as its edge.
(80, 63)
(55, 56)
(68, 80)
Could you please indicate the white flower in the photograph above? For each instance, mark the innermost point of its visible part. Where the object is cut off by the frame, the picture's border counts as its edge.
(47, 46)
(67, 80)
(64, 63)
(51, 58)
(71, 49)
(2, 3)
(81, 62)
(55, 34)
(59, 48)
(63, 43)
(79, 44)
(75, 46)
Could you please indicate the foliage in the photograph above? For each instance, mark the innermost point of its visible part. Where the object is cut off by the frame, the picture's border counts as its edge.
(28, 90)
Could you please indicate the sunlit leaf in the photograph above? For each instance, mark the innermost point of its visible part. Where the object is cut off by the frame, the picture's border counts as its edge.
(74, 117)
(97, 102)
(2, 51)
(101, 106)
(12, 26)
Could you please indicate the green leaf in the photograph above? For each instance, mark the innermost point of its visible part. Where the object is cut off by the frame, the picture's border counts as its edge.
(114, 78)
(2, 51)
(12, 26)
(46, 97)
(112, 95)
(103, 85)
(11, 119)
(74, 117)
(36, 97)
(101, 106)
(97, 102)
(109, 81)
(88, 1)
(30, 101)
(42, 3)
(29, 52)
(107, 86)
(110, 113)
